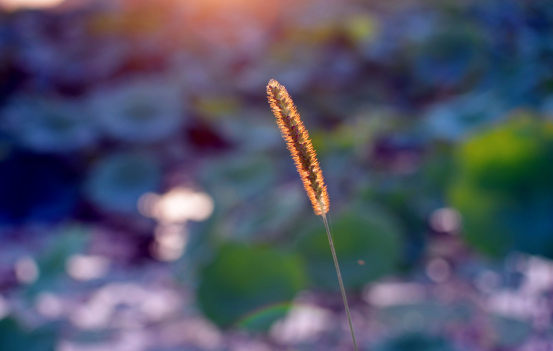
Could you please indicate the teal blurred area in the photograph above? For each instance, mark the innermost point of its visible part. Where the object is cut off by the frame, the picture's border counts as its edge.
(149, 203)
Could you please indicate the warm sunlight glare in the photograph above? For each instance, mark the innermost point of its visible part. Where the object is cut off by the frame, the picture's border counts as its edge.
(231, 23)
(31, 4)
(177, 206)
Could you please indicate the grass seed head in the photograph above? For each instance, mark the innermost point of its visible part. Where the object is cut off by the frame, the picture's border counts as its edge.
(299, 144)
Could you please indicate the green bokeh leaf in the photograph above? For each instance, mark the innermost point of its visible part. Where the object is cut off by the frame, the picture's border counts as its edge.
(244, 282)
(504, 189)
(368, 246)
(415, 342)
(14, 338)
(52, 264)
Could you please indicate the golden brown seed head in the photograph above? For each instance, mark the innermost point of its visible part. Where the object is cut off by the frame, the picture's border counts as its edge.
(299, 144)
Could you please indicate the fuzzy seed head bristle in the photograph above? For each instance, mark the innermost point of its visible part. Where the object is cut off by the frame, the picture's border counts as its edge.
(298, 142)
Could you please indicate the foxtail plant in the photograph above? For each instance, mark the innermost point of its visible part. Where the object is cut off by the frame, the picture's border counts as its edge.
(298, 141)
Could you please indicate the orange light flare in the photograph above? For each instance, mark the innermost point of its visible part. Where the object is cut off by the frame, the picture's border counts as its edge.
(29, 4)
(231, 22)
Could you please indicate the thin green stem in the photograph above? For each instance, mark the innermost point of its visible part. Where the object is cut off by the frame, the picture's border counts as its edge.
(339, 279)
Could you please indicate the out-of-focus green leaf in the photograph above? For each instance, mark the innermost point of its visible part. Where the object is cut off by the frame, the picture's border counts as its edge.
(504, 189)
(13, 338)
(51, 265)
(510, 332)
(249, 286)
(368, 246)
(239, 177)
(415, 342)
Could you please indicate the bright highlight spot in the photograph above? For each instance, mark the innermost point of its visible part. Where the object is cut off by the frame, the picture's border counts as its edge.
(177, 206)
(170, 242)
(438, 270)
(172, 210)
(487, 282)
(81, 267)
(539, 275)
(529, 302)
(390, 294)
(512, 304)
(26, 270)
(103, 307)
(303, 323)
(194, 331)
(180, 205)
(4, 307)
(49, 305)
(146, 204)
(32, 4)
(446, 220)
(159, 305)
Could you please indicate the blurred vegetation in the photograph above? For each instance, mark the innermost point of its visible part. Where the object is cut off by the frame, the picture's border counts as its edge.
(433, 122)
(503, 187)
(368, 244)
(13, 337)
(246, 280)
(415, 342)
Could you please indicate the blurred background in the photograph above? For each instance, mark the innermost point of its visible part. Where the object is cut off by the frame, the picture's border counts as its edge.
(148, 202)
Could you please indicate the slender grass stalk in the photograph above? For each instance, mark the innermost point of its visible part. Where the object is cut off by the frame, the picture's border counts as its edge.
(301, 149)
(343, 291)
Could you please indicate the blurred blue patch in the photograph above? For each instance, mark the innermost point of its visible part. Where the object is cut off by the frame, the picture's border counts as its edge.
(510, 332)
(140, 109)
(49, 125)
(446, 58)
(117, 181)
(454, 119)
(36, 188)
(415, 342)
